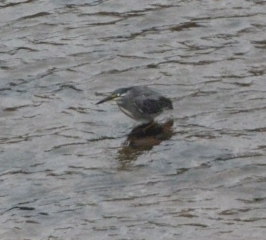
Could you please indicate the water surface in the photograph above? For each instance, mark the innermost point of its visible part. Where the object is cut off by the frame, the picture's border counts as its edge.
(68, 167)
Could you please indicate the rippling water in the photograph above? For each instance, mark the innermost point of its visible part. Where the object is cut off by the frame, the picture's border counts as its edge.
(70, 169)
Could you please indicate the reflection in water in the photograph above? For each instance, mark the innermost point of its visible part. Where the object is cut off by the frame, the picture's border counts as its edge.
(59, 156)
(143, 138)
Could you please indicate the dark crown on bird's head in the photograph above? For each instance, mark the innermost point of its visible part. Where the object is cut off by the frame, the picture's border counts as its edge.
(115, 94)
(120, 91)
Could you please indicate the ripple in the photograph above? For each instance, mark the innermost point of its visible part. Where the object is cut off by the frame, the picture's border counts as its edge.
(70, 170)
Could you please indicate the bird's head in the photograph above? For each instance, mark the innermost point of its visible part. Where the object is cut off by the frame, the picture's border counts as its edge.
(115, 95)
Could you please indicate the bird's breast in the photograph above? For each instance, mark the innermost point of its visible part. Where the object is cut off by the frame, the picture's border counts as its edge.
(127, 112)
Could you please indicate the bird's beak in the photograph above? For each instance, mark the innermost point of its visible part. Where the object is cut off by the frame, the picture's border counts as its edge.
(111, 97)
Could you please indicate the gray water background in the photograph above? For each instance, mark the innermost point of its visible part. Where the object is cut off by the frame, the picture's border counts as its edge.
(64, 173)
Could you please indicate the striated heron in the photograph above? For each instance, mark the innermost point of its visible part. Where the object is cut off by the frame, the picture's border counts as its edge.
(139, 102)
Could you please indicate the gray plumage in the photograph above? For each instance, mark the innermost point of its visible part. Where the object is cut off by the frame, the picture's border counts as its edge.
(140, 102)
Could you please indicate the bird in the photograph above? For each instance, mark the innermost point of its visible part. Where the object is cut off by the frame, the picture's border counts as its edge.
(139, 102)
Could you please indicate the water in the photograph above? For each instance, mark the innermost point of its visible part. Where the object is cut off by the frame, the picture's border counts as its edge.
(68, 167)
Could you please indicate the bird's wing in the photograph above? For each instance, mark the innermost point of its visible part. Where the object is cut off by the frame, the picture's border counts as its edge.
(147, 106)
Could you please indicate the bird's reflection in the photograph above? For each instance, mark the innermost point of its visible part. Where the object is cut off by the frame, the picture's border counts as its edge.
(143, 138)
